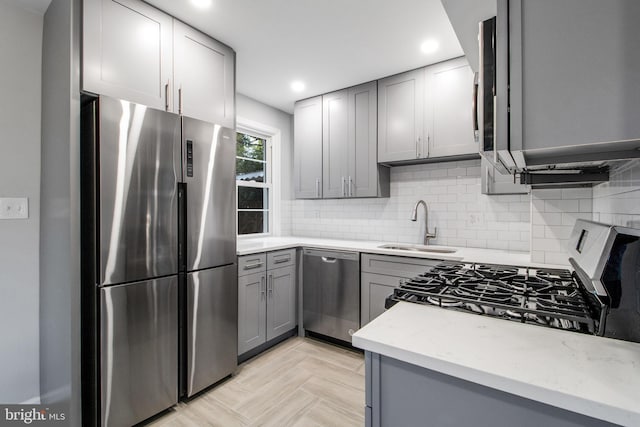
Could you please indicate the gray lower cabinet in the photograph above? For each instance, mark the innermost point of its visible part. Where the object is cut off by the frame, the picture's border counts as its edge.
(307, 150)
(493, 182)
(266, 297)
(127, 51)
(401, 394)
(380, 275)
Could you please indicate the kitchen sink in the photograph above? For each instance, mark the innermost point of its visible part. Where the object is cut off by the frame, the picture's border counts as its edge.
(417, 248)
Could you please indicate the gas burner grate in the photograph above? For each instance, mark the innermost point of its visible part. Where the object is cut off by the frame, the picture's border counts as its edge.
(547, 297)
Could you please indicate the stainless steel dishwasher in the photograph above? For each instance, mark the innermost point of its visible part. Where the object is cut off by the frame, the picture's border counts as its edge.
(331, 293)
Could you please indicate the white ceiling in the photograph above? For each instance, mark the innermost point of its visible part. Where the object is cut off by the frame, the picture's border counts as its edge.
(328, 44)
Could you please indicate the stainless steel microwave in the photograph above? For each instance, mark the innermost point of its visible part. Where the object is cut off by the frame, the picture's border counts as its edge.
(492, 102)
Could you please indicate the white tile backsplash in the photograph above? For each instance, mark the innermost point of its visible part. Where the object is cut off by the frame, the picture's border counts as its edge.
(540, 223)
(462, 216)
(618, 201)
(553, 214)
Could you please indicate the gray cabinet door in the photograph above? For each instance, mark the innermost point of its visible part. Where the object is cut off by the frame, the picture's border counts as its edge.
(307, 149)
(335, 143)
(375, 288)
(127, 51)
(281, 301)
(204, 77)
(400, 117)
(448, 109)
(573, 82)
(362, 176)
(139, 350)
(252, 311)
(493, 182)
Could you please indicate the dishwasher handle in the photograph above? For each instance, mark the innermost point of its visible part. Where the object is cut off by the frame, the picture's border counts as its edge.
(329, 260)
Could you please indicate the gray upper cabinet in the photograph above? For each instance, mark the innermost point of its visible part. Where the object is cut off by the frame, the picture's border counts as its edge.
(426, 114)
(465, 16)
(335, 144)
(400, 117)
(448, 108)
(307, 150)
(365, 177)
(204, 77)
(574, 68)
(349, 124)
(127, 51)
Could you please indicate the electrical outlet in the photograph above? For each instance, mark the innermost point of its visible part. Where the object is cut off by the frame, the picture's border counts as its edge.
(475, 219)
(14, 208)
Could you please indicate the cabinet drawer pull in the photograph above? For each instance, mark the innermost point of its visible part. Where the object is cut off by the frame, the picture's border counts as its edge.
(281, 260)
(252, 266)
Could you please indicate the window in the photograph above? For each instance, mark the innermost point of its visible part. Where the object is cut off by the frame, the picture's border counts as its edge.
(254, 183)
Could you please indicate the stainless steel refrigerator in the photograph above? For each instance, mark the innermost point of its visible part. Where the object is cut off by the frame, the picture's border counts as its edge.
(159, 294)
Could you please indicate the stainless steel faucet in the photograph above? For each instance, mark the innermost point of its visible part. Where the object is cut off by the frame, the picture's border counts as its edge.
(414, 217)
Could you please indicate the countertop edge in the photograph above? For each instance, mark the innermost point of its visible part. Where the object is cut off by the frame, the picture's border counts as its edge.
(569, 402)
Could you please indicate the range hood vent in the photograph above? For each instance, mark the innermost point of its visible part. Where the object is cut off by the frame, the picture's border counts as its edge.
(565, 178)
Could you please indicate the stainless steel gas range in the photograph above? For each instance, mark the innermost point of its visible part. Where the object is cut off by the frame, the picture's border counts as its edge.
(600, 295)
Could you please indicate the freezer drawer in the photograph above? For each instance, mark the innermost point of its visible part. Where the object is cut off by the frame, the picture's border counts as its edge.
(139, 350)
(212, 326)
(331, 293)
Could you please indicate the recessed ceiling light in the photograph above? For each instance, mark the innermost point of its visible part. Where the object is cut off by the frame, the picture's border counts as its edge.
(429, 46)
(297, 86)
(201, 4)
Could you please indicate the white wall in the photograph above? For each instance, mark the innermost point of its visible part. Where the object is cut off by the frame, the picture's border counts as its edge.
(20, 83)
(248, 108)
(618, 201)
(463, 216)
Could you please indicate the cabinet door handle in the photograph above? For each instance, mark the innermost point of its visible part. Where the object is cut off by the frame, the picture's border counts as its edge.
(318, 188)
(166, 96)
(474, 108)
(344, 188)
(270, 288)
(180, 100)
(262, 287)
(350, 187)
(418, 148)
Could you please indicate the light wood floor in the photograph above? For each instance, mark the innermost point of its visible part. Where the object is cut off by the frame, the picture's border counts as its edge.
(301, 382)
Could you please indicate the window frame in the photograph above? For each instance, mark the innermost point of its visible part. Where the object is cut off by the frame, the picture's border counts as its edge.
(272, 157)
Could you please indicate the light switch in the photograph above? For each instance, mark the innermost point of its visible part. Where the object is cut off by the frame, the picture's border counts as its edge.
(14, 208)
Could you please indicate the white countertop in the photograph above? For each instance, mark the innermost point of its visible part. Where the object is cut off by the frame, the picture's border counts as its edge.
(248, 246)
(595, 376)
